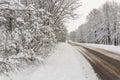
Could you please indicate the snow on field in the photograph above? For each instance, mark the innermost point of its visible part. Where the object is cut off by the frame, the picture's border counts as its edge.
(107, 47)
(64, 63)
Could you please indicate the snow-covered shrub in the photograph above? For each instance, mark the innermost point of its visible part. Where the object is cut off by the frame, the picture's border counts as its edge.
(26, 36)
(5, 67)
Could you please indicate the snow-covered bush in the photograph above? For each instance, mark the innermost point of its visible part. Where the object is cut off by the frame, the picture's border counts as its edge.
(25, 35)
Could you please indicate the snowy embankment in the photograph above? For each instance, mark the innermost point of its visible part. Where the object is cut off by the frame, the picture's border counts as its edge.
(107, 47)
(64, 63)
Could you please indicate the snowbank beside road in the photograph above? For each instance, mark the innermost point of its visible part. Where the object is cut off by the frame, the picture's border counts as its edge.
(107, 47)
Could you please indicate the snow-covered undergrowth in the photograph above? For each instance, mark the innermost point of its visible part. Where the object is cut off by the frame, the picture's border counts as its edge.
(107, 47)
(25, 35)
(23, 69)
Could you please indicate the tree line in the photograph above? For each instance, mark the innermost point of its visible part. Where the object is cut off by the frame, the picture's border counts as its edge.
(102, 26)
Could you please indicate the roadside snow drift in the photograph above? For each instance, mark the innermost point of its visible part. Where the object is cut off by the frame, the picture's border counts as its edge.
(107, 47)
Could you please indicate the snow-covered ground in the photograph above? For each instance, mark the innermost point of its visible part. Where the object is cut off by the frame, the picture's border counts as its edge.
(64, 63)
(107, 47)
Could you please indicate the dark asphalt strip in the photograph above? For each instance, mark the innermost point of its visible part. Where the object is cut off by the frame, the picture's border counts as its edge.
(100, 69)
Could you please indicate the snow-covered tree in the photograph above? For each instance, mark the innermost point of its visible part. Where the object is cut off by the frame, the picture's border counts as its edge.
(30, 28)
(25, 34)
(60, 10)
(102, 25)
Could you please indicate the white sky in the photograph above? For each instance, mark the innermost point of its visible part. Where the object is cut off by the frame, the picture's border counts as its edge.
(83, 11)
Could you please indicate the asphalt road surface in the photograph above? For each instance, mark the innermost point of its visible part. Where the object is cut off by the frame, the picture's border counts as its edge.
(105, 63)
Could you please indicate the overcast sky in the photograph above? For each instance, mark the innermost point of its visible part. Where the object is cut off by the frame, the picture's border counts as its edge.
(83, 11)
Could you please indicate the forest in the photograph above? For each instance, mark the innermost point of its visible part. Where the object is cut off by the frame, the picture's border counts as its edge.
(102, 26)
